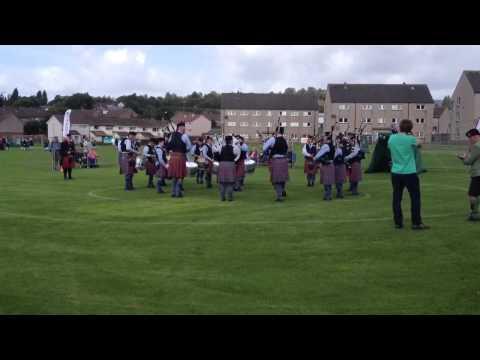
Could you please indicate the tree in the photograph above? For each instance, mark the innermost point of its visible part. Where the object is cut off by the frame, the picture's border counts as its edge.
(24, 101)
(289, 91)
(44, 98)
(2, 100)
(79, 101)
(447, 102)
(13, 97)
(39, 96)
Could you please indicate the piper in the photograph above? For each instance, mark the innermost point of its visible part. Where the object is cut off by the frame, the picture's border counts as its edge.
(178, 146)
(279, 162)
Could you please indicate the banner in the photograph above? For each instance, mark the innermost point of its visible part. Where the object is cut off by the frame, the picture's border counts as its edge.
(66, 123)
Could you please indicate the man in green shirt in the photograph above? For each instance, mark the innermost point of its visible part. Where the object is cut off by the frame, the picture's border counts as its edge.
(473, 159)
(404, 174)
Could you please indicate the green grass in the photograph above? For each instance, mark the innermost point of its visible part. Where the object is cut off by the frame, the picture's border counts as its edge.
(89, 247)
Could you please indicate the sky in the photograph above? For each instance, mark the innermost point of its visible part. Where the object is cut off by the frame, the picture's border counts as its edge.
(155, 70)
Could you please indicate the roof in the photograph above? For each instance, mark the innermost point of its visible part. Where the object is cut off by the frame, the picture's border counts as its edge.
(5, 113)
(438, 111)
(121, 133)
(93, 118)
(252, 101)
(99, 133)
(474, 78)
(30, 112)
(379, 93)
(74, 132)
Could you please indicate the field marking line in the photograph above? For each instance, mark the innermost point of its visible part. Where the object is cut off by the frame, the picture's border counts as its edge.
(209, 223)
(94, 195)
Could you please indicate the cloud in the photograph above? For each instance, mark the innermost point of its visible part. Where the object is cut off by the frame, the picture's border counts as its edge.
(154, 70)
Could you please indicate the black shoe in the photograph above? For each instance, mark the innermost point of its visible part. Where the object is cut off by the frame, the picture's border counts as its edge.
(284, 193)
(398, 226)
(420, 227)
(474, 217)
(222, 199)
(209, 186)
(180, 195)
(340, 196)
(230, 199)
(173, 195)
(160, 192)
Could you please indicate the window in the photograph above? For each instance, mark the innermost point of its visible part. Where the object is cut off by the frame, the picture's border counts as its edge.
(231, 123)
(269, 113)
(132, 127)
(381, 107)
(283, 124)
(109, 127)
(244, 123)
(155, 129)
(144, 129)
(394, 121)
(342, 120)
(381, 121)
(295, 113)
(231, 113)
(420, 134)
(396, 107)
(257, 136)
(256, 124)
(283, 113)
(307, 113)
(343, 107)
(367, 120)
(269, 124)
(256, 113)
(95, 127)
(458, 100)
(367, 107)
(244, 136)
(420, 107)
(420, 120)
(294, 124)
(307, 124)
(120, 127)
(243, 113)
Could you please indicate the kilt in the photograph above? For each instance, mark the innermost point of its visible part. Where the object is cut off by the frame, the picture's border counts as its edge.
(356, 174)
(226, 172)
(68, 162)
(474, 188)
(279, 172)
(123, 163)
(209, 167)
(150, 168)
(310, 167)
(161, 172)
(240, 168)
(327, 174)
(177, 166)
(340, 173)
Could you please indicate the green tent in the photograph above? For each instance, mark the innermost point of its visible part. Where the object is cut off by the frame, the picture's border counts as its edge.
(381, 155)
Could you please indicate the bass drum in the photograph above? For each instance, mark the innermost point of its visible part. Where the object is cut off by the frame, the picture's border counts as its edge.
(250, 166)
(192, 168)
(139, 164)
(216, 164)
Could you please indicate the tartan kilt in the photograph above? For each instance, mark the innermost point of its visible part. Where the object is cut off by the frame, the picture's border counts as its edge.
(123, 163)
(240, 168)
(150, 168)
(340, 173)
(356, 174)
(327, 174)
(68, 162)
(279, 172)
(310, 167)
(177, 166)
(209, 167)
(161, 172)
(226, 172)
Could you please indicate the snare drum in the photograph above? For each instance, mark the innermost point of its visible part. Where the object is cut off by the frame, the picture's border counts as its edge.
(192, 168)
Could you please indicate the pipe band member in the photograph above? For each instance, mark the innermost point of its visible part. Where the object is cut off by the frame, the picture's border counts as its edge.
(473, 160)
(207, 151)
(279, 163)
(150, 167)
(327, 170)
(67, 153)
(125, 147)
(355, 159)
(240, 164)
(178, 146)
(340, 167)
(227, 157)
(131, 170)
(161, 164)
(310, 166)
(196, 151)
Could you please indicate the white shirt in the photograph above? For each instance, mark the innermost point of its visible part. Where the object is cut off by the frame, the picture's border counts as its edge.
(159, 152)
(323, 150)
(128, 145)
(305, 152)
(354, 153)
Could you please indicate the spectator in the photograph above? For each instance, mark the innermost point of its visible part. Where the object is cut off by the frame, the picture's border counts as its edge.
(404, 174)
(55, 149)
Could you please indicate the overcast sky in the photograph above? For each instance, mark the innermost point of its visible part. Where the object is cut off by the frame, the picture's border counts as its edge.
(154, 70)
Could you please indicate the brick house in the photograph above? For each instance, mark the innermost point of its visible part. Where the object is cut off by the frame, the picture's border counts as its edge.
(195, 124)
(11, 126)
(378, 106)
(251, 114)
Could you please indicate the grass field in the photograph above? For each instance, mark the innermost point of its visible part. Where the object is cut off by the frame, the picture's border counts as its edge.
(88, 247)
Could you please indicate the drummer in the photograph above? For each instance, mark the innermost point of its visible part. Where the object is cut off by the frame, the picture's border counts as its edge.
(149, 158)
(240, 164)
(178, 146)
(125, 146)
(199, 159)
(226, 169)
(207, 151)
